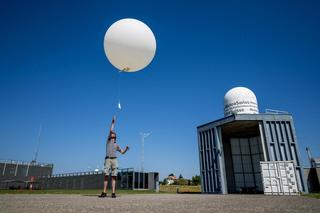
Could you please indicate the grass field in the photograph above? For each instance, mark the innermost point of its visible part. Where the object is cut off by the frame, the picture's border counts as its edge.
(180, 189)
(312, 195)
(163, 189)
(73, 191)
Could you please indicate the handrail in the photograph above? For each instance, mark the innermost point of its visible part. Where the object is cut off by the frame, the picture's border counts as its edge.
(19, 162)
(73, 174)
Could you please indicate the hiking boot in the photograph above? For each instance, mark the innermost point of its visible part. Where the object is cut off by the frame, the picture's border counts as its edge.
(113, 195)
(103, 194)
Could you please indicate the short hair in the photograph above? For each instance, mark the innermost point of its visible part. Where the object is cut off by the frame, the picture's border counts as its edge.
(112, 133)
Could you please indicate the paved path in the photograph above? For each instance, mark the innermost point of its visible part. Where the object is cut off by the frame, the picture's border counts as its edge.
(158, 203)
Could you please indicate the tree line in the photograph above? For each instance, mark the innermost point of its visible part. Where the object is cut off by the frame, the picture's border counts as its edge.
(171, 179)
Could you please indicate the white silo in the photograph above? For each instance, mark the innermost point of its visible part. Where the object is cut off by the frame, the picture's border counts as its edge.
(240, 100)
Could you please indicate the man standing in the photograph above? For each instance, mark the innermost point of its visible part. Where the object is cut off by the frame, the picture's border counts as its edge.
(111, 162)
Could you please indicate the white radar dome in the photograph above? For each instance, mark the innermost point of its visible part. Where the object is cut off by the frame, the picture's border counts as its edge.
(240, 100)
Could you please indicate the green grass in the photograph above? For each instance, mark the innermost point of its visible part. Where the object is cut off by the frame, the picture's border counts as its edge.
(74, 191)
(163, 190)
(181, 189)
(312, 195)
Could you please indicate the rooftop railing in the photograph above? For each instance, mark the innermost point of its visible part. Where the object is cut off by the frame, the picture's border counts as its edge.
(73, 174)
(274, 111)
(19, 162)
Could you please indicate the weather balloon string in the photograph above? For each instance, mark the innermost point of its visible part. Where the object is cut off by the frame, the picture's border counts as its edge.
(118, 90)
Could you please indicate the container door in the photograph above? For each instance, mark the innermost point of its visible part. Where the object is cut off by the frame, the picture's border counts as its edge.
(279, 178)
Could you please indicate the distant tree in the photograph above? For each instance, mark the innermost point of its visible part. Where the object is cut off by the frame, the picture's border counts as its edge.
(180, 176)
(164, 182)
(196, 180)
(171, 174)
(182, 181)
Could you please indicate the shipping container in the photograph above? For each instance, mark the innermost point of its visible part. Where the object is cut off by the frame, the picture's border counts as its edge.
(279, 178)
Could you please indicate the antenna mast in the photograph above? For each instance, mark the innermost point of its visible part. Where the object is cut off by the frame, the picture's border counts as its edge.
(143, 136)
(37, 148)
(311, 159)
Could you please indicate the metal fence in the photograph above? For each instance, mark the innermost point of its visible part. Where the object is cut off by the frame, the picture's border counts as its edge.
(16, 174)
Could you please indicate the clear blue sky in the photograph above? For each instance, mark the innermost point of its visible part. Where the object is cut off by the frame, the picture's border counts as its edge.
(53, 71)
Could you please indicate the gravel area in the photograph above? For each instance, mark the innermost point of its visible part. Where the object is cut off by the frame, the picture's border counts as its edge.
(158, 203)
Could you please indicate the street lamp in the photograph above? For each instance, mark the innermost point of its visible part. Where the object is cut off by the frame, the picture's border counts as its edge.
(143, 137)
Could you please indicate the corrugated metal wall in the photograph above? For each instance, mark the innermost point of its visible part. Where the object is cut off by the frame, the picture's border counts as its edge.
(209, 162)
(281, 142)
(85, 181)
(94, 180)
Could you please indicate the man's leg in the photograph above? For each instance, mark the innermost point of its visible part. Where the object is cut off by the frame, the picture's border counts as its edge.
(114, 176)
(114, 184)
(107, 170)
(105, 183)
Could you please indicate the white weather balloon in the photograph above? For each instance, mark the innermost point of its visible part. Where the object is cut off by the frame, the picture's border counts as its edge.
(129, 45)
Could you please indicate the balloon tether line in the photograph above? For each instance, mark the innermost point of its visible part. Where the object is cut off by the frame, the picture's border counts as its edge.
(118, 79)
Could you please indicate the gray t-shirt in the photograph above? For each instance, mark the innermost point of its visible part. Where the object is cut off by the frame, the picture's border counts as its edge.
(111, 149)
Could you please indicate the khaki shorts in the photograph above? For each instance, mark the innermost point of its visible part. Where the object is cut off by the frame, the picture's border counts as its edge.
(111, 166)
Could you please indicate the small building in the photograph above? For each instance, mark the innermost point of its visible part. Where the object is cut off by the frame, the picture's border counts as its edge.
(126, 179)
(20, 175)
(171, 179)
(232, 148)
(312, 174)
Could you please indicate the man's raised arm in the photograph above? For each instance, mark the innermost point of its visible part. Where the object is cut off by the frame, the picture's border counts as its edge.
(112, 124)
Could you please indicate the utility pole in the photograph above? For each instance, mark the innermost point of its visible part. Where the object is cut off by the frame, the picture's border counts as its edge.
(311, 159)
(34, 161)
(143, 137)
